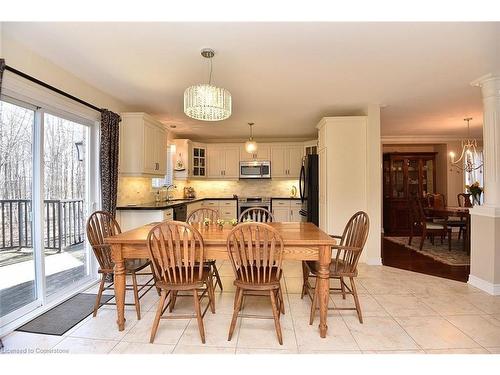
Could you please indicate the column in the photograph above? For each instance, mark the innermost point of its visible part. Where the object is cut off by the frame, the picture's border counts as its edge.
(485, 219)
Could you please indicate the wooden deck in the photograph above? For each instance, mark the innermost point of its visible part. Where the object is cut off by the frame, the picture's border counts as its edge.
(19, 295)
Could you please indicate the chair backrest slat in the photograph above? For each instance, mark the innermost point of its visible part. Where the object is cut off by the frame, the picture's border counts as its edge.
(354, 236)
(199, 215)
(101, 225)
(464, 200)
(255, 251)
(256, 214)
(176, 251)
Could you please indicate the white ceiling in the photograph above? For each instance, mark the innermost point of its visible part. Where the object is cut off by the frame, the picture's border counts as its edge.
(283, 76)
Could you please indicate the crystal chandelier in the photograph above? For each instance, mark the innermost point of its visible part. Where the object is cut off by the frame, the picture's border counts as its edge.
(469, 158)
(251, 145)
(206, 102)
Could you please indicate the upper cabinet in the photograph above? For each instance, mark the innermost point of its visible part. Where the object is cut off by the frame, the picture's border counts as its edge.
(263, 152)
(223, 161)
(286, 160)
(143, 145)
(190, 159)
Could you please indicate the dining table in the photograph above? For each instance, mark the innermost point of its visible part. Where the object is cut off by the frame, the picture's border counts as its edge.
(457, 212)
(302, 241)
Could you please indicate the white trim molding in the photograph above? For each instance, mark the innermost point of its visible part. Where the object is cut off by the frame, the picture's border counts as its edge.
(490, 288)
(488, 211)
(419, 139)
(376, 261)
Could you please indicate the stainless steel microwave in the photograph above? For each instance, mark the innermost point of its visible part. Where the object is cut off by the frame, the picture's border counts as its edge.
(255, 169)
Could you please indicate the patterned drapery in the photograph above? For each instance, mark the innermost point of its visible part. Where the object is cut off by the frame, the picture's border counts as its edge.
(109, 159)
(2, 68)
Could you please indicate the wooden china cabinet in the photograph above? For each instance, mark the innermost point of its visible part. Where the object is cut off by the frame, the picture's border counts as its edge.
(406, 175)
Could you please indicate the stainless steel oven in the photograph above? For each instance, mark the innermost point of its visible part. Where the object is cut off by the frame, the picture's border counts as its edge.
(255, 169)
(250, 202)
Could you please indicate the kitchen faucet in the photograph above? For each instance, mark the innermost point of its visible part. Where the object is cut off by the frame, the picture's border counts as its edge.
(168, 188)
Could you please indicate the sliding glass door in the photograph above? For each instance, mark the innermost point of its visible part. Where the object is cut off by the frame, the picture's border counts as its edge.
(18, 286)
(65, 203)
(45, 195)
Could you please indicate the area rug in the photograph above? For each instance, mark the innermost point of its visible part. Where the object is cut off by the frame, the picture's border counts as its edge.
(64, 316)
(439, 252)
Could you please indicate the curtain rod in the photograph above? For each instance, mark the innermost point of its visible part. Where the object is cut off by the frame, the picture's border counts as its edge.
(50, 87)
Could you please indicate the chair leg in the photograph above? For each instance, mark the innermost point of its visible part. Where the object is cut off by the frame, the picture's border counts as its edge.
(173, 298)
(356, 300)
(159, 309)
(342, 287)
(99, 294)
(211, 294)
(449, 239)
(411, 235)
(282, 301)
(276, 316)
(305, 279)
(238, 297)
(136, 296)
(313, 306)
(217, 277)
(459, 233)
(422, 239)
(197, 309)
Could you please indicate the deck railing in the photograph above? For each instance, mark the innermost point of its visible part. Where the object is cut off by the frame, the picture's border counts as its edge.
(63, 223)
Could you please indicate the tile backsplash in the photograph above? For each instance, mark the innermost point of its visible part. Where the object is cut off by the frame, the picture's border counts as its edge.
(137, 190)
(247, 188)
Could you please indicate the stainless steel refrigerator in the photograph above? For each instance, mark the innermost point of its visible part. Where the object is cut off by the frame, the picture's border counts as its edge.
(309, 188)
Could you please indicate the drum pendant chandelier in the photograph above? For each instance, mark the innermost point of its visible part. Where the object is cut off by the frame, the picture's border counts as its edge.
(207, 102)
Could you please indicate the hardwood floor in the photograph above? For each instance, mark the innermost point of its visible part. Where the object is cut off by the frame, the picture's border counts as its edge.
(399, 256)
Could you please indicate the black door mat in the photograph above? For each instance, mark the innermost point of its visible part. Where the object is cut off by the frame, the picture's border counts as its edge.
(64, 316)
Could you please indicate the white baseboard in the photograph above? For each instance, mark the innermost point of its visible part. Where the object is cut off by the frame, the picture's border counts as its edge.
(490, 288)
(374, 261)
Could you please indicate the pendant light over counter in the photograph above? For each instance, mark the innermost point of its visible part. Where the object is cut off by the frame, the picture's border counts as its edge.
(251, 145)
(205, 101)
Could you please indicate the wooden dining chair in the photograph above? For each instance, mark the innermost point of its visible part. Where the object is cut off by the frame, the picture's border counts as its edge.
(176, 251)
(426, 225)
(100, 225)
(256, 214)
(256, 254)
(198, 216)
(464, 200)
(343, 265)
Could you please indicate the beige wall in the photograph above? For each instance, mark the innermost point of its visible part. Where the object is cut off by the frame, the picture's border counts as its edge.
(20, 57)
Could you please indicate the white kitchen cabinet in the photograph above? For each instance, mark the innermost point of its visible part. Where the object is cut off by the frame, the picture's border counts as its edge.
(286, 160)
(227, 208)
(222, 161)
(143, 145)
(286, 210)
(130, 219)
(193, 206)
(263, 152)
(197, 160)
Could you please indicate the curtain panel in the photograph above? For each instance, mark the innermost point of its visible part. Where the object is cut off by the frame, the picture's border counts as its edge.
(2, 68)
(108, 157)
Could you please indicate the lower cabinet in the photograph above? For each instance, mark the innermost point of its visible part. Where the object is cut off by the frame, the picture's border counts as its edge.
(130, 219)
(227, 208)
(286, 210)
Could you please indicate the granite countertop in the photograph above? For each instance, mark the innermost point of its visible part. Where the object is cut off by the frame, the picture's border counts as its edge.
(167, 204)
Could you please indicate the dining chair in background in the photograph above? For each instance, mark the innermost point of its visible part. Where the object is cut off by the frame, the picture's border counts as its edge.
(464, 200)
(256, 214)
(100, 225)
(256, 254)
(176, 251)
(343, 265)
(197, 217)
(426, 225)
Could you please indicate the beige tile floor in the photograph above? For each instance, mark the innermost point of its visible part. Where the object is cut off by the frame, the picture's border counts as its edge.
(404, 312)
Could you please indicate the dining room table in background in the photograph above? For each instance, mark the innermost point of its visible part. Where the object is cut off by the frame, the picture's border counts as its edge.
(302, 241)
(457, 212)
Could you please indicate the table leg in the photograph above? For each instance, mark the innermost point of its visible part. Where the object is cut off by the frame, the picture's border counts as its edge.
(119, 283)
(323, 285)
